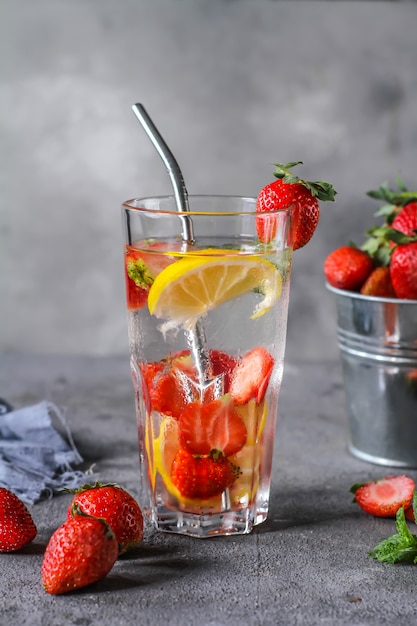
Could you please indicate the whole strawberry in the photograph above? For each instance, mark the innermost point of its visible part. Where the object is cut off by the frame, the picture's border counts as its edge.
(403, 271)
(347, 268)
(80, 552)
(406, 219)
(116, 506)
(289, 191)
(379, 284)
(17, 527)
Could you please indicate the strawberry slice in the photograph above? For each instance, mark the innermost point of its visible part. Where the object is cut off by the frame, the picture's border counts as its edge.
(384, 497)
(213, 426)
(165, 391)
(202, 477)
(251, 376)
(141, 268)
(223, 363)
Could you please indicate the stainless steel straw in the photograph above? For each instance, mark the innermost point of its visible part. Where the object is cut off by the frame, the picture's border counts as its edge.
(174, 171)
(195, 335)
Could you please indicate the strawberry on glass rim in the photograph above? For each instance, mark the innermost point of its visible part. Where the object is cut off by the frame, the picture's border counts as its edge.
(290, 191)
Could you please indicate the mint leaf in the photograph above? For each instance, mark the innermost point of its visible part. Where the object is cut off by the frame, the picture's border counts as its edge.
(139, 273)
(398, 548)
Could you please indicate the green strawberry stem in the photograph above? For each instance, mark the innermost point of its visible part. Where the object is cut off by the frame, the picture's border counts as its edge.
(393, 197)
(319, 189)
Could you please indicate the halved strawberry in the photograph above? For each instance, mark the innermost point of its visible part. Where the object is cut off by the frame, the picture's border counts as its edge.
(212, 426)
(165, 389)
(202, 477)
(384, 497)
(223, 363)
(251, 376)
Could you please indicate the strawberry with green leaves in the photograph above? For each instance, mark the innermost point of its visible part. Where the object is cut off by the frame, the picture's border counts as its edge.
(392, 245)
(80, 552)
(202, 477)
(17, 527)
(116, 507)
(290, 191)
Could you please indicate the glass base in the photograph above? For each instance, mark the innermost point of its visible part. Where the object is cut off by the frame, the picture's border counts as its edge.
(203, 526)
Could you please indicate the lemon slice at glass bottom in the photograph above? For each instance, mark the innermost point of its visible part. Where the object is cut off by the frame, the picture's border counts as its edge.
(194, 285)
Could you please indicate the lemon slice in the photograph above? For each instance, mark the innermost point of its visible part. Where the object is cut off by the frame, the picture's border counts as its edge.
(196, 284)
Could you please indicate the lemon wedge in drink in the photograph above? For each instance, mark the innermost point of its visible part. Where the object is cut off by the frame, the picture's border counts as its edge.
(197, 283)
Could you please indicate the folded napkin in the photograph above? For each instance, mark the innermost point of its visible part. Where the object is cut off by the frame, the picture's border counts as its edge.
(35, 459)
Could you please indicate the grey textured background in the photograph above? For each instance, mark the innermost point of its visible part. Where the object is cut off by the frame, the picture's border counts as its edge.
(233, 86)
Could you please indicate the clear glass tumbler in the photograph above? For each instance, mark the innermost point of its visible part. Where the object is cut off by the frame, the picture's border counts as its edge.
(207, 317)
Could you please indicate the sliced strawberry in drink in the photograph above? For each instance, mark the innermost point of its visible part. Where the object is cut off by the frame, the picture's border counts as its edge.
(251, 376)
(212, 426)
(384, 497)
(165, 392)
(136, 296)
(223, 363)
(141, 268)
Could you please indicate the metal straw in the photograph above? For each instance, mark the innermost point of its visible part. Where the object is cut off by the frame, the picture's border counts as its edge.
(174, 171)
(195, 336)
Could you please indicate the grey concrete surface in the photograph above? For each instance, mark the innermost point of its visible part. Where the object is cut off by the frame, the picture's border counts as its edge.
(233, 86)
(306, 566)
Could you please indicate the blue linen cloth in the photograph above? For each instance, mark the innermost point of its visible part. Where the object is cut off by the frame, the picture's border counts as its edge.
(35, 459)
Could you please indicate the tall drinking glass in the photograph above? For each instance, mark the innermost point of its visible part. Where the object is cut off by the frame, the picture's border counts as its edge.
(207, 317)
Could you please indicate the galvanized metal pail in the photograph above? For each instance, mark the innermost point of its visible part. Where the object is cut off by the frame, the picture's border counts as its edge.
(377, 339)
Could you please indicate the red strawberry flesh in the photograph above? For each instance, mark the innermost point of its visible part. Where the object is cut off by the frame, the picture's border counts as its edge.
(251, 376)
(215, 426)
(384, 497)
(202, 476)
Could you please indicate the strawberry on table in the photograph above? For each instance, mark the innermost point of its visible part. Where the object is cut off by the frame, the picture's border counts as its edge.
(385, 496)
(202, 477)
(216, 426)
(17, 527)
(251, 376)
(80, 552)
(290, 191)
(116, 506)
(348, 268)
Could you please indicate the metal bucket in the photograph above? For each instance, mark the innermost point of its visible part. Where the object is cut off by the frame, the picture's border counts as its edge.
(377, 338)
